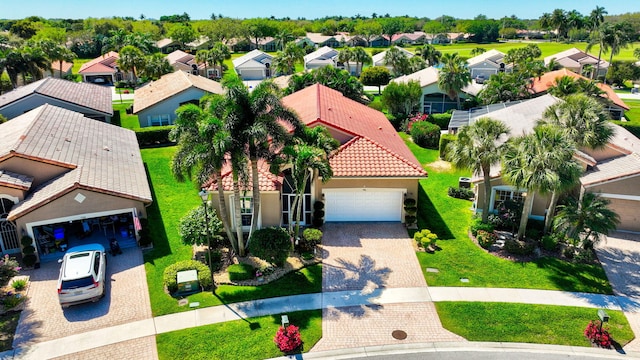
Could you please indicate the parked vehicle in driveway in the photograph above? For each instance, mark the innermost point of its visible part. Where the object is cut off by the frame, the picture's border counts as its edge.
(82, 275)
(480, 79)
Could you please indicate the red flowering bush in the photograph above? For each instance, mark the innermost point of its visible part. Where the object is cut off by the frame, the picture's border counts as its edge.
(414, 119)
(288, 339)
(597, 334)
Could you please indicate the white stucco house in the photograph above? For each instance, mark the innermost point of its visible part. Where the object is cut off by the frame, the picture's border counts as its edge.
(254, 65)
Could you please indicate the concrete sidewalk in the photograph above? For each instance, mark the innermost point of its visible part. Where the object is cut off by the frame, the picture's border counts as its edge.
(238, 311)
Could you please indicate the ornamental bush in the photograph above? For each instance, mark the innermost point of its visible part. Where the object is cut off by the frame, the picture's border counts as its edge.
(460, 193)
(271, 244)
(445, 140)
(8, 269)
(478, 225)
(425, 238)
(486, 239)
(238, 272)
(442, 120)
(598, 334)
(518, 247)
(193, 226)
(425, 134)
(171, 273)
(288, 340)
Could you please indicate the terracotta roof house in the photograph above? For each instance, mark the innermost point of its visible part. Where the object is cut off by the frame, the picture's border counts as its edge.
(254, 65)
(61, 172)
(433, 99)
(373, 170)
(575, 60)
(93, 101)
(613, 172)
(378, 59)
(488, 63)
(156, 103)
(103, 70)
(61, 72)
(614, 104)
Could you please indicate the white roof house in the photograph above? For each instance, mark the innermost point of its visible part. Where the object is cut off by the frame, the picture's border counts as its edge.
(488, 63)
(320, 58)
(254, 65)
(575, 60)
(378, 59)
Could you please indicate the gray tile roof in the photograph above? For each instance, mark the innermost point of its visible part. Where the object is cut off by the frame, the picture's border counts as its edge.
(461, 118)
(90, 96)
(102, 157)
(611, 169)
(11, 179)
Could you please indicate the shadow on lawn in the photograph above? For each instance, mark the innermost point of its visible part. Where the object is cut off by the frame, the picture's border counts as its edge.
(161, 245)
(429, 217)
(576, 277)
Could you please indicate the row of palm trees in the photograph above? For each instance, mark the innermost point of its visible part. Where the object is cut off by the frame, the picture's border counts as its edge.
(238, 130)
(540, 162)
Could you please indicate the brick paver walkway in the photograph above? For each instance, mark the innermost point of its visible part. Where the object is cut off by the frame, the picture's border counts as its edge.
(364, 257)
(126, 300)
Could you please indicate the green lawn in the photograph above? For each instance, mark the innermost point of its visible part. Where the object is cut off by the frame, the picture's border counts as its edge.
(8, 324)
(126, 121)
(241, 339)
(461, 258)
(540, 324)
(633, 115)
(171, 201)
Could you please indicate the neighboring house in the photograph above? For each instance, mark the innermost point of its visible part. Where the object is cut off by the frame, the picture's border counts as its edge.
(615, 105)
(320, 40)
(201, 43)
(413, 38)
(613, 172)
(373, 170)
(267, 44)
(183, 61)
(168, 46)
(576, 60)
(378, 59)
(60, 171)
(356, 40)
(93, 101)
(379, 41)
(64, 71)
(254, 65)
(320, 58)
(104, 70)
(488, 63)
(433, 100)
(156, 103)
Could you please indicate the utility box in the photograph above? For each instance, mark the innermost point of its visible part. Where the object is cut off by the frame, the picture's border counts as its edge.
(464, 182)
(188, 282)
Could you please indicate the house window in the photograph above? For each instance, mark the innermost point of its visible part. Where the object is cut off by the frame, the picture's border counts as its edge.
(159, 120)
(502, 194)
(246, 210)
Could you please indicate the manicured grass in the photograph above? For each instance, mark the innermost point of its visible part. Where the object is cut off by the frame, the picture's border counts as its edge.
(8, 324)
(241, 339)
(171, 201)
(459, 258)
(126, 121)
(633, 115)
(540, 324)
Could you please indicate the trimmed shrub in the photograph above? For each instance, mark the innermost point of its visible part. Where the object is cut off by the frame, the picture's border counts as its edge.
(153, 135)
(193, 226)
(486, 239)
(271, 244)
(460, 193)
(425, 134)
(518, 247)
(171, 273)
(318, 214)
(29, 260)
(410, 219)
(445, 140)
(409, 202)
(318, 205)
(377, 105)
(28, 250)
(441, 120)
(312, 235)
(549, 242)
(478, 225)
(239, 272)
(288, 340)
(425, 238)
(411, 210)
(26, 240)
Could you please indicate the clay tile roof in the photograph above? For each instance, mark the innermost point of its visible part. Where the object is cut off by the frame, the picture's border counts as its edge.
(104, 63)
(320, 105)
(267, 180)
(66, 66)
(547, 80)
(13, 180)
(169, 85)
(100, 157)
(90, 96)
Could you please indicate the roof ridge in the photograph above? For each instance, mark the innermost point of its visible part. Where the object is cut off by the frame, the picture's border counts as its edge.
(40, 110)
(42, 83)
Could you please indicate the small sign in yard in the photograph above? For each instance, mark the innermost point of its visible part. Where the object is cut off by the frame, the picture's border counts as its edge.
(194, 304)
(464, 280)
(432, 270)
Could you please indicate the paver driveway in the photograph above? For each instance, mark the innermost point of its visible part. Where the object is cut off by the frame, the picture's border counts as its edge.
(368, 258)
(620, 258)
(126, 300)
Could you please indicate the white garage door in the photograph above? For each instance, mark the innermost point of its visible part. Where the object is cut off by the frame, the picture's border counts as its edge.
(363, 204)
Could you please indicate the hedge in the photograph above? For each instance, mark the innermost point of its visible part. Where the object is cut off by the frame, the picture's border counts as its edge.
(425, 134)
(154, 135)
(446, 139)
(171, 273)
(441, 120)
(271, 244)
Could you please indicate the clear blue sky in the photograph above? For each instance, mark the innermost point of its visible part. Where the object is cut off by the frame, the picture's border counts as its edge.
(202, 9)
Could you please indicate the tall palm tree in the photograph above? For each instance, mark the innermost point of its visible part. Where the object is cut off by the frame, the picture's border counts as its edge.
(361, 57)
(285, 61)
(202, 143)
(131, 59)
(430, 54)
(559, 21)
(397, 59)
(587, 220)
(255, 123)
(345, 56)
(532, 161)
(596, 18)
(283, 38)
(203, 57)
(155, 66)
(599, 36)
(218, 54)
(36, 62)
(575, 20)
(454, 76)
(618, 37)
(477, 148)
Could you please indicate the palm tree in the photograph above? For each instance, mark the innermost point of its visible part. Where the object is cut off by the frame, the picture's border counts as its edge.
(345, 56)
(397, 59)
(131, 59)
(618, 37)
(308, 157)
(430, 54)
(532, 161)
(255, 122)
(563, 86)
(202, 143)
(596, 18)
(416, 64)
(283, 38)
(599, 37)
(575, 20)
(361, 57)
(477, 148)
(203, 56)
(454, 76)
(218, 54)
(559, 21)
(35, 62)
(587, 220)
(478, 51)
(155, 66)
(285, 60)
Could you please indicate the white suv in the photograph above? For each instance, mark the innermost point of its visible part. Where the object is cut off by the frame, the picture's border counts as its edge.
(82, 275)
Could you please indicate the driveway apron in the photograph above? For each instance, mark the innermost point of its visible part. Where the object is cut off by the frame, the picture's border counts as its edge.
(366, 259)
(126, 300)
(620, 258)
